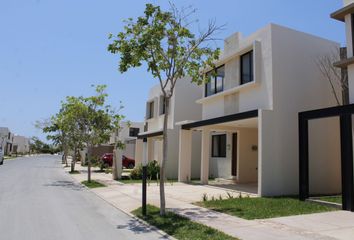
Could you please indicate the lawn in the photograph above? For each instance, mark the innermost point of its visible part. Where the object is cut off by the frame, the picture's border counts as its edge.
(180, 227)
(93, 184)
(333, 199)
(132, 181)
(261, 208)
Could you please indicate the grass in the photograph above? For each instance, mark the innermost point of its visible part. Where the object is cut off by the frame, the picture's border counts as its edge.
(333, 199)
(133, 181)
(261, 208)
(180, 227)
(9, 157)
(74, 172)
(93, 184)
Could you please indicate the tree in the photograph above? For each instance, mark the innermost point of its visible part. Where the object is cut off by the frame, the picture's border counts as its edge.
(337, 78)
(163, 40)
(99, 122)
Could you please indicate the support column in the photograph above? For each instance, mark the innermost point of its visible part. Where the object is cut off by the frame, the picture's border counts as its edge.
(184, 155)
(138, 152)
(144, 177)
(204, 166)
(303, 158)
(347, 162)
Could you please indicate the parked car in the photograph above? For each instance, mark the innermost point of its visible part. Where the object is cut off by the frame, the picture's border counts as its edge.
(107, 159)
(128, 162)
(1, 157)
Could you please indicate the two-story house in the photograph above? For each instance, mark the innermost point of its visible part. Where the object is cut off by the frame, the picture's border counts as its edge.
(181, 106)
(6, 140)
(250, 106)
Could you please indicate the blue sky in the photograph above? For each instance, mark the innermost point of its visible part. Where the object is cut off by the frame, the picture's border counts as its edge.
(51, 49)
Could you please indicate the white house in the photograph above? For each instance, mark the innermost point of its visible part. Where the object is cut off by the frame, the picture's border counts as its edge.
(249, 122)
(182, 106)
(21, 144)
(128, 135)
(6, 140)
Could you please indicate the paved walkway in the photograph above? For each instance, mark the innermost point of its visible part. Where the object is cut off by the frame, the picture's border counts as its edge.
(179, 199)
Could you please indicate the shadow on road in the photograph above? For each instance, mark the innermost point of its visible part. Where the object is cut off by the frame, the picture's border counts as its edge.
(139, 228)
(66, 184)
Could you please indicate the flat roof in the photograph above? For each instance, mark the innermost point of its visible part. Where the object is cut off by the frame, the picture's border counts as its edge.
(150, 134)
(223, 119)
(340, 14)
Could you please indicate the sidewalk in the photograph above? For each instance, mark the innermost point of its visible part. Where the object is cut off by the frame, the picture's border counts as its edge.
(179, 196)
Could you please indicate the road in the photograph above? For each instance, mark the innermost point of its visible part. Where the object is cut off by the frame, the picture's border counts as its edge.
(38, 200)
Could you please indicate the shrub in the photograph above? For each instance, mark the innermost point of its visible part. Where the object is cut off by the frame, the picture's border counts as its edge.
(153, 171)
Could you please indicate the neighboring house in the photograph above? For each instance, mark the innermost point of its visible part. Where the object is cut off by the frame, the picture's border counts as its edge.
(250, 108)
(128, 136)
(6, 140)
(181, 106)
(346, 15)
(21, 145)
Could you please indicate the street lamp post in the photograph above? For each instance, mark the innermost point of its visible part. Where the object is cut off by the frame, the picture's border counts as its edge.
(144, 163)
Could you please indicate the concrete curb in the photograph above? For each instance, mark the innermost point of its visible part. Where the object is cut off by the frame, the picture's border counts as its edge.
(152, 228)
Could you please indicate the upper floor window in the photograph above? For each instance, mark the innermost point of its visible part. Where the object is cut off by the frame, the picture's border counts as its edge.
(215, 81)
(162, 105)
(150, 110)
(133, 132)
(247, 67)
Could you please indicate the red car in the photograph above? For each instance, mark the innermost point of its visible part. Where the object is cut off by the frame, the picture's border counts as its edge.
(107, 158)
(128, 162)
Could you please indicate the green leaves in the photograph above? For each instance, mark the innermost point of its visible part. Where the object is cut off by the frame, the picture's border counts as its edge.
(163, 40)
(84, 121)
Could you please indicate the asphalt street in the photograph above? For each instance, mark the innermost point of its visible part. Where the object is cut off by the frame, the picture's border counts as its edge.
(38, 200)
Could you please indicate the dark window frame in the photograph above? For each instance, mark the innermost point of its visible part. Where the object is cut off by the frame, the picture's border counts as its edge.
(134, 131)
(352, 29)
(213, 74)
(151, 114)
(221, 151)
(250, 62)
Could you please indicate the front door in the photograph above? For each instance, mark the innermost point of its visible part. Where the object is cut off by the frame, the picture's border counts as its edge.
(234, 155)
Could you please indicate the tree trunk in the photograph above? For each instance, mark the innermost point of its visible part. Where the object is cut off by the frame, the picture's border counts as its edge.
(114, 165)
(89, 164)
(73, 161)
(164, 159)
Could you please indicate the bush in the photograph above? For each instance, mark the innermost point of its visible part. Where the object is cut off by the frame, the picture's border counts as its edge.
(153, 171)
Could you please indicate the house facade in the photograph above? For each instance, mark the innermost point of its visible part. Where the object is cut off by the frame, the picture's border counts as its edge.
(21, 145)
(182, 106)
(6, 140)
(128, 136)
(249, 122)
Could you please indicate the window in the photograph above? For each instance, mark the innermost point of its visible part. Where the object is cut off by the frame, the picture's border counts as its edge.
(247, 67)
(150, 110)
(133, 132)
(218, 145)
(216, 81)
(162, 105)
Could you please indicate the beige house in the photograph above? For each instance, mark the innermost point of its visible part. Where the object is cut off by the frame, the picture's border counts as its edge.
(249, 121)
(21, 145)
(182, 106)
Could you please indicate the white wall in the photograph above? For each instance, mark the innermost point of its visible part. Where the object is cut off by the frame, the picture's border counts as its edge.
(239, 98)
(297, 86)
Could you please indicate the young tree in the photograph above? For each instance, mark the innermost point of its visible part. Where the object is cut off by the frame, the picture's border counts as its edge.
(164, 41)
(99, 123)
(336, 77)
